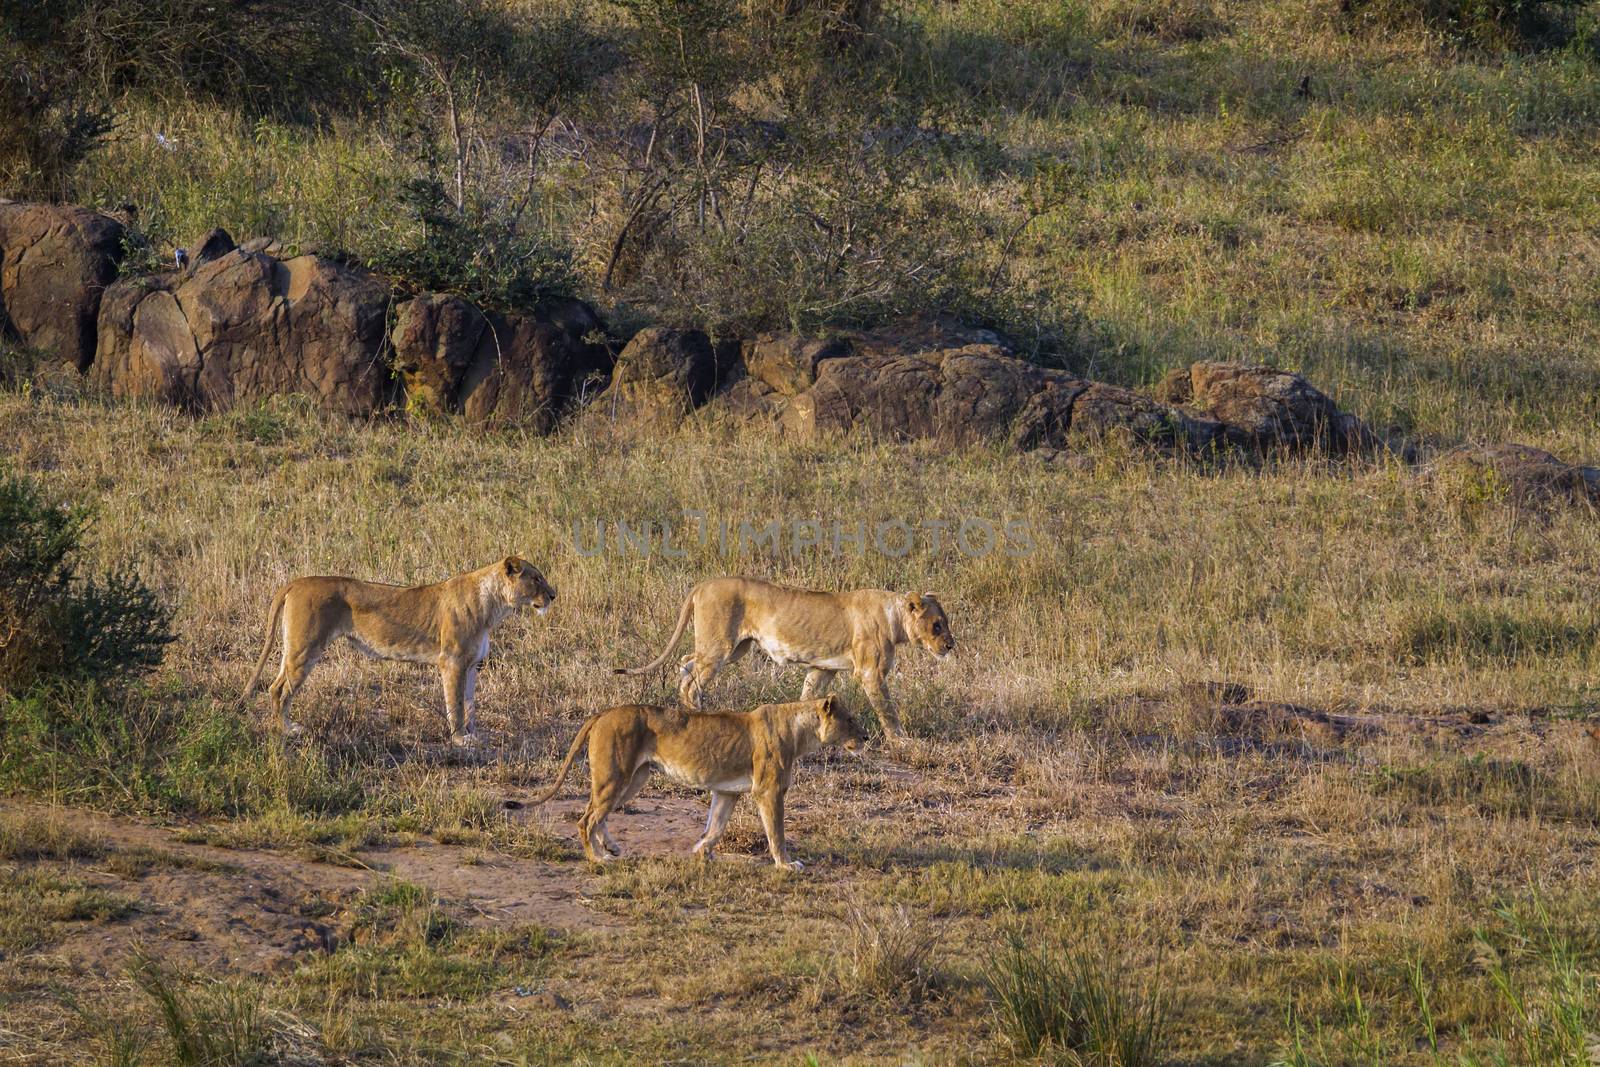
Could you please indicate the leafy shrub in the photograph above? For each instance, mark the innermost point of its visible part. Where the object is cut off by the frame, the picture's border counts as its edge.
(47, 124)
(1492, 23)
(1077, 1003)
(55, 623)
(489, 260)
(257, 53)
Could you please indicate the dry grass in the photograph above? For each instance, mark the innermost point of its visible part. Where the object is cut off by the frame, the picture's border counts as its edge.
(1078, 767)
(1306, 746)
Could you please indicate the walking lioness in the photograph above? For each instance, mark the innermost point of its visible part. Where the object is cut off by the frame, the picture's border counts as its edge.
(446, 624)
(827, 632)
(730, 753)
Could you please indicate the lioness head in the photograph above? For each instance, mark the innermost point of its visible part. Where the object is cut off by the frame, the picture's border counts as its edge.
(927, 624)
(523, 584)
(837, 726)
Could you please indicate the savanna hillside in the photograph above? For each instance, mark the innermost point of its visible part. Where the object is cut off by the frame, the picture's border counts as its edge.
(1245, 763)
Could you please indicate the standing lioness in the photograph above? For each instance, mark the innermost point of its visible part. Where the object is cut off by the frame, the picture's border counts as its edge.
(730, 753)
(827, 632)
(446, 624)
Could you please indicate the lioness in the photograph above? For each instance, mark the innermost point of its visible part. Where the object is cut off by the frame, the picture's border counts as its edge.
(828, 632)
(728, 752)
(447, 624)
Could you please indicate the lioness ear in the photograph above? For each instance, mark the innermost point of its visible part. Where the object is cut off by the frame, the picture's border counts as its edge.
(513, 566)
(913, 603)
(829, 704)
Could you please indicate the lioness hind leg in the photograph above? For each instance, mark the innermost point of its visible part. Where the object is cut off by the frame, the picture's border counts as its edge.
(640, 777)
(722, 805)
(818, 680)
(603, 796)
(292, 674)
(697, 672)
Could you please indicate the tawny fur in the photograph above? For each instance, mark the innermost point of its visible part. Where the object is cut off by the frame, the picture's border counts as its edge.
(447, 624)
(859, 630)
(728, 752)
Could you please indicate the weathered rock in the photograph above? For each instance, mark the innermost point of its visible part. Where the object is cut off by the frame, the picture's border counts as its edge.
(55, 263)
(270, 245)
(1527, 474)
(661, 375)
(247, 326)
(498, 369)
(1262, 409)
(932, 380)
(786, 363)
(214, 245)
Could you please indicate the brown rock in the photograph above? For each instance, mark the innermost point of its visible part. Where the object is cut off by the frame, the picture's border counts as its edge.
(787, 364)
(936, 381)
(662, 374)
(247, 326)
(497, 369)
(1262, 409)
(1529, 475)
(214, 245)
(55, 263)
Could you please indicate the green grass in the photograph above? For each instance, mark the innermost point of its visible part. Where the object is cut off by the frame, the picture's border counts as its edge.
(1077, 1006)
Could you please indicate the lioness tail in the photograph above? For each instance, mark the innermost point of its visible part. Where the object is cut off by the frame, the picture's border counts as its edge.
(683, 624)
(572, 754)
(266, 648)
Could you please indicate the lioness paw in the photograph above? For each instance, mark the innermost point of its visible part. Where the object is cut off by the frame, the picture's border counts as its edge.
(293, 729)
(465, 740)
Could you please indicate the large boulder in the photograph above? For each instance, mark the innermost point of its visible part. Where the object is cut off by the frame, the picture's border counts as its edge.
(55, 263)
(935, 381)
(661, 375)
(496, 369)
(1526, 474)
(1262, 409)
(246, 326)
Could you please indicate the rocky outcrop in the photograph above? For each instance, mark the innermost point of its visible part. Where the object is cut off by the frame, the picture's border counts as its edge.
(246, 326)
(939, 382)
(240, 322)
(214, 246)
(661, 375)
(1527, 475)
(1261, 409)
(55, 263)
(511, 369)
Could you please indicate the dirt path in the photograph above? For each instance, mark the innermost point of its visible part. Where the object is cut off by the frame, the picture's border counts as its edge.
(256, 910)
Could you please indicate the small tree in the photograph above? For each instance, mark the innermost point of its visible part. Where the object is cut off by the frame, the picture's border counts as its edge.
(55, 623)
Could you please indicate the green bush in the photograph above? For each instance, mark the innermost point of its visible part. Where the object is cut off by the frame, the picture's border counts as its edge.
(262, 54)
(58, 625)
(486, 259)
(48, 125)
(1490, 23)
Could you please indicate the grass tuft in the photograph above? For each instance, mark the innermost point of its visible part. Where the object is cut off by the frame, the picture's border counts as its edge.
(1077, 1005)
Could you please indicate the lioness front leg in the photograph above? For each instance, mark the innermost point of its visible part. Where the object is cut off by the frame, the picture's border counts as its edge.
(453, 674)
(877, 690)
(770, 803)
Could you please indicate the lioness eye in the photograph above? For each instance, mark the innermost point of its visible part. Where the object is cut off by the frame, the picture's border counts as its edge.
(938, 628)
